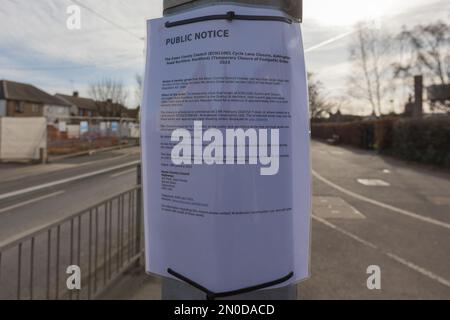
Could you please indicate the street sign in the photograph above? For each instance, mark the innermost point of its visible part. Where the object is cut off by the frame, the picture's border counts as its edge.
(225, 138)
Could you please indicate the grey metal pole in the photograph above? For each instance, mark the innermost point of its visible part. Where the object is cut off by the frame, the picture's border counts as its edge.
(177, 290)
(291, 7)
(139, 217)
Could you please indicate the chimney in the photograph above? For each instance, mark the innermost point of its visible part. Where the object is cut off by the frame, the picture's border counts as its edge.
(75, 94)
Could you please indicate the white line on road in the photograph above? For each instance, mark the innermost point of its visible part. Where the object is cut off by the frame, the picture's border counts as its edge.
(381, 204)
(348, 234)
(392, 256)
(122, 173)
(421, 270)
(24, 203)
(71, 179)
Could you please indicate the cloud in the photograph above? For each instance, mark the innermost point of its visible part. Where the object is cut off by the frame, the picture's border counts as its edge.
(331, 62)
(36, 46)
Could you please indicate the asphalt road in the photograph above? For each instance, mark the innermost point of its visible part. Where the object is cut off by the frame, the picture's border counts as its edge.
(24, 212)
(400, 224)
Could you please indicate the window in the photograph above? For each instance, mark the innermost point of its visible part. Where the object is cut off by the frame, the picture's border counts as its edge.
(34, 108)
(20, 107)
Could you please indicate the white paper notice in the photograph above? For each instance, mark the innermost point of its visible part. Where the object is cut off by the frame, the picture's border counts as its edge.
(225, 138)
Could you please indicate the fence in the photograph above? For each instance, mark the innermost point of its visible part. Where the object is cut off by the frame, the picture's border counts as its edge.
(74, 134)
(103, 240)
(22, 138)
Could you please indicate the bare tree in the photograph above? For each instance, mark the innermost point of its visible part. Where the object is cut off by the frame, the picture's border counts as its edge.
(425, 50)
(318, 105)
(139, 86)
(370, 78)
(110, 96)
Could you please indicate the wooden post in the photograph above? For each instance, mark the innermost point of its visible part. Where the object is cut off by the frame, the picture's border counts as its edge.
(43, 155)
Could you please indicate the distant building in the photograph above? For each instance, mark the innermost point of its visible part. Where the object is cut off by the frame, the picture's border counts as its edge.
(25, 100)
(338, 117)
(133, 113)
(86, 107)
(81, 107)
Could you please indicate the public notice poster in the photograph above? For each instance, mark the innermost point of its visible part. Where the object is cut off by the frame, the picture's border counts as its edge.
(225, 138)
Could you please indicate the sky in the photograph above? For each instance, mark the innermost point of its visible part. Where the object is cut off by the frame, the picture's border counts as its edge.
(37, 47)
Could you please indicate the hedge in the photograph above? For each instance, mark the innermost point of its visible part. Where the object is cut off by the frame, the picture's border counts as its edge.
(424, 140)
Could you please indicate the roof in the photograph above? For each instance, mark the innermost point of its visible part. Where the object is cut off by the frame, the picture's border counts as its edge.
(132, 113)
(17, 91)
(81, 103)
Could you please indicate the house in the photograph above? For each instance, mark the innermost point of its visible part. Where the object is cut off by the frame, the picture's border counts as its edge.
(25, 100)
(81, 107)
(86, 107)
(133, 113)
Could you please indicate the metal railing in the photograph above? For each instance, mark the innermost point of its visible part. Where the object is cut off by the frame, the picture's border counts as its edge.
(103, 240)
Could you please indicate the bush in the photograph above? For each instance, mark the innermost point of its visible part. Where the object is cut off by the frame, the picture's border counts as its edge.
(423, 140)
(357, 134)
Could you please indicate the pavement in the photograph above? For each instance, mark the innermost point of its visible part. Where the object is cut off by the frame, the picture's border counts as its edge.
(367, 210)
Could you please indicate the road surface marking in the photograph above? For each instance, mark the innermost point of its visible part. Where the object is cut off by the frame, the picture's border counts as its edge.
(71, 179)
(21, 204)
(421, 270)
(439, 200)
(373, 182)
(122, 173)
(334, 207)
(392, 256)
(381, 204)
(348, 234)
(121, 156)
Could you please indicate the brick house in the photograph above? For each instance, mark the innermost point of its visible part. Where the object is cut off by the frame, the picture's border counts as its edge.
(25, 100)
(81, 107)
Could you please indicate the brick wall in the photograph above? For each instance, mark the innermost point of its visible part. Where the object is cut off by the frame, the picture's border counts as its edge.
(23, 109)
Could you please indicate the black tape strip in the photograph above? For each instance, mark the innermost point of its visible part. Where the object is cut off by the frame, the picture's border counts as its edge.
(230, 16)
(213, 295)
